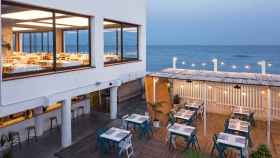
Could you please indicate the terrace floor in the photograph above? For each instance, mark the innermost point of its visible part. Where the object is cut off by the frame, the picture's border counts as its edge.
(154, 147)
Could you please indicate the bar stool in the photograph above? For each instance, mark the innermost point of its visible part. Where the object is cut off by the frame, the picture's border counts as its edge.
(30, 129)
(14, 139)
(81, 110)
(72, 113)
(52, 119)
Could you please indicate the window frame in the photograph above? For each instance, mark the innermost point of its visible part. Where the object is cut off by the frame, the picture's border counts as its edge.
(122, 24)
(54, 69)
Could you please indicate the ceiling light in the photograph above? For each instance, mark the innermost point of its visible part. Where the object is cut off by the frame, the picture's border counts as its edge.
(27, 15)
(41, 24)
(21, 29)
(108, 23)
(74, 21)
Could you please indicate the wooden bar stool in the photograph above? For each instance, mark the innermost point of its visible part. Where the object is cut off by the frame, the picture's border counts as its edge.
(30, 130)
(72, 113)
(81, 110)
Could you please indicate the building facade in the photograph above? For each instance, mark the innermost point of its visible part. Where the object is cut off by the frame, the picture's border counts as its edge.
(53, 51)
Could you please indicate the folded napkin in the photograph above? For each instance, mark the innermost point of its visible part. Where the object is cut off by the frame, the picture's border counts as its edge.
(188, 130)
(110, 132)
(121, 135)
(223, 137)
(240, 140)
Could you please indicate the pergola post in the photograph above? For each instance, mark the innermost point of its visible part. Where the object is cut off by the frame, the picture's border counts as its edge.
(205, 108)
(154, 90)
(269, 99)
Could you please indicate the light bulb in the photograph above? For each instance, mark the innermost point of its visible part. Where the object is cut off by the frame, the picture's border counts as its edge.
(203, 64)
(233, 66)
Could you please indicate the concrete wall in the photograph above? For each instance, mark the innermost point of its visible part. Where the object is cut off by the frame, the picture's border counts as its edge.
(28, 93)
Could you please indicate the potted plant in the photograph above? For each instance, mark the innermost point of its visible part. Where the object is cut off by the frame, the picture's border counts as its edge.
(261, 152)
(155, 107)
(176, 99)
(7, 152)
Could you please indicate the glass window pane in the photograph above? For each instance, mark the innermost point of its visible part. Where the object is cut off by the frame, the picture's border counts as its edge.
(130, 42)
(25, 42)
(14, 42)
(83, 43)
(32, 56)
(72, 31)
(112, 42)
(70, 41)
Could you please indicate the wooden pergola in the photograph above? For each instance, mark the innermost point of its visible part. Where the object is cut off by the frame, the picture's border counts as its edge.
(252, 79)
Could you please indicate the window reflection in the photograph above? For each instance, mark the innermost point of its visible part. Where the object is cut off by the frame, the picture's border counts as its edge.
(120, 42)
(75, 39)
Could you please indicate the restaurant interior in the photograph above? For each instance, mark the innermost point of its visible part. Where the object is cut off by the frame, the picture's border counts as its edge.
(36, 40)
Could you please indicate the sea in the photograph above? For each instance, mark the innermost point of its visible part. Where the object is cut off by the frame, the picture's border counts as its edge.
(230, 58)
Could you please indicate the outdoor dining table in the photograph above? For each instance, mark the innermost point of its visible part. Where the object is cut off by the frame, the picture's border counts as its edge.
(115, 135)
(136, 119)
(181, 130)
(234, 141)
(239, 125)
(194, 105)
(184, 114)
(241, 111)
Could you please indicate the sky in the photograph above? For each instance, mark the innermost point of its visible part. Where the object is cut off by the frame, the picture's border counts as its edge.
(213, 22)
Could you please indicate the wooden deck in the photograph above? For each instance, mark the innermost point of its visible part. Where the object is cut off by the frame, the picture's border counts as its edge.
(156, 146)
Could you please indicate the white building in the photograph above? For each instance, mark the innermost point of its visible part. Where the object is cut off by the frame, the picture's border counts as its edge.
(54, 50)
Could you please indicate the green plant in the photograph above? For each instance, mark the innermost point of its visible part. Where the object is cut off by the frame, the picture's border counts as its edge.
(261, 152)
(192, 154)
(155, 107)
(176, 99)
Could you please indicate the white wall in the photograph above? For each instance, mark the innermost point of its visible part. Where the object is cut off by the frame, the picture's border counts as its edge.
(39, 90)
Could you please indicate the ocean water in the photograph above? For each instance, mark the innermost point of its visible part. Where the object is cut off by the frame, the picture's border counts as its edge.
(235, 58)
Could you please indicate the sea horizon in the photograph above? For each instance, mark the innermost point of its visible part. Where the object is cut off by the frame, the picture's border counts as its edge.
(234, 58)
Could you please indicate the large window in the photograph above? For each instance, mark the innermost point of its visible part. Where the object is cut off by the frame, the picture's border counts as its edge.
(36, 40)
(120, 42)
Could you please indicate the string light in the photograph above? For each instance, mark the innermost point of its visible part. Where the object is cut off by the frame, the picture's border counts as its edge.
(262, 92)
(243, 94)
(168, 84)
(192, 65)
(225, 92)
(182, 86)
(222, 63)
(233, 66)
(247, 66)
(196, 86)
(269, 64)
(203, 64)
(183, 63)
(209, 87)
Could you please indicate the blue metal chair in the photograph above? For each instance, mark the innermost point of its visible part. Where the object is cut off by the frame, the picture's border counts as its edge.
(144, 129)
(101, 144)
(251, 119)
(193, 141)
(219, 147)
(226, 123)
(171, 118)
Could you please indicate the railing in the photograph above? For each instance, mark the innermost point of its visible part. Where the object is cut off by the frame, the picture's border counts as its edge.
(221, 97)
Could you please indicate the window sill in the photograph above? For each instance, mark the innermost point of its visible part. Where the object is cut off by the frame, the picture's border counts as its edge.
(46, 73)
(121, 63)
